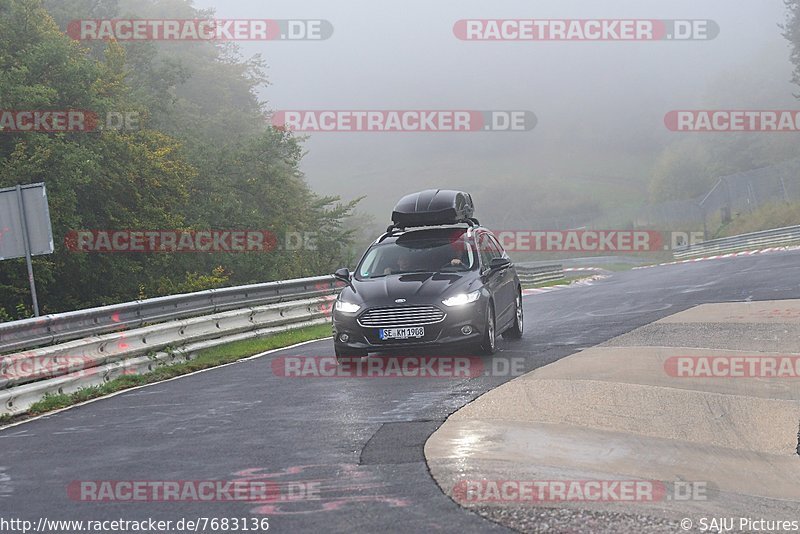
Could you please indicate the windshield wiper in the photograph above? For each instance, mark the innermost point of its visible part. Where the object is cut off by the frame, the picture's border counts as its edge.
(453, 268)
(416, 271)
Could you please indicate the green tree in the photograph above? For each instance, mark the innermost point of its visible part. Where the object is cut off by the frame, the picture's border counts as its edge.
(94, 180)
(203, 158)
(791, 30)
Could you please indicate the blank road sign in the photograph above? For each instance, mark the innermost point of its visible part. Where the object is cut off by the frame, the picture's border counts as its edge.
(37, 215)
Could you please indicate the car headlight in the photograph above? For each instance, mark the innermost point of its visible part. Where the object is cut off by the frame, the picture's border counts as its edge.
(346, 307)
(462, 298)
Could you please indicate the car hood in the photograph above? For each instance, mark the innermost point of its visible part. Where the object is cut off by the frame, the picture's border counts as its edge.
(416, 288)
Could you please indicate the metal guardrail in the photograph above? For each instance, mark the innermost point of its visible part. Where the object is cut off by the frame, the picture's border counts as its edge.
(777, 237)
(540, 273)
(26, 377)
(61, 327)
(87, 348)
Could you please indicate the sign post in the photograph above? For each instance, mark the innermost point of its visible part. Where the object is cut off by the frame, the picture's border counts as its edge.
(26, 239)
(25, 229)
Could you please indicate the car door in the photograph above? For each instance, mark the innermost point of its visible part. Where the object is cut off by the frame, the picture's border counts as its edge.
(507, 287)
(494, 282)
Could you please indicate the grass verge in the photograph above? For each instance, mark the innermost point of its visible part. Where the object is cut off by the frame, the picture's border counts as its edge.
(205, 359)
(766, 217)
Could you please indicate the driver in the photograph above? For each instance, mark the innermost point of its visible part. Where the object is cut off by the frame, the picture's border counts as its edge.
(462, 259)
(403, 264)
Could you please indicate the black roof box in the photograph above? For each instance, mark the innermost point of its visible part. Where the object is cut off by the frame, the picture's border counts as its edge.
(433, 207)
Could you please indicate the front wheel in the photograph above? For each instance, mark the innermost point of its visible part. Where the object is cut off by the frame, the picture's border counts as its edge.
(489, 342)
(515, 332)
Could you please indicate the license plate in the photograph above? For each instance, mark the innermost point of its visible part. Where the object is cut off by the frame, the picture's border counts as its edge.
(401, 333)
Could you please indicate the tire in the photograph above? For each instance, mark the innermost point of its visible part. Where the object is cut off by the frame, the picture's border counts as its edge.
(348, 354)
(488, 344)
(515, 332)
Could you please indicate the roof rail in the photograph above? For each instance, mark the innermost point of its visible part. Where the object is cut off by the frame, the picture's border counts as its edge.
(394, 229)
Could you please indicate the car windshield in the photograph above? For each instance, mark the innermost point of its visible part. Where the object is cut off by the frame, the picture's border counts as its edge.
(428, 253)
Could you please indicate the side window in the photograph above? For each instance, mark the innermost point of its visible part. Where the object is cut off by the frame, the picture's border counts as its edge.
(485, 249)
(497, 246)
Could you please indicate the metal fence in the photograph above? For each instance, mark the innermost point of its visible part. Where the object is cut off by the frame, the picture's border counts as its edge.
(745, 192)
(732, 195)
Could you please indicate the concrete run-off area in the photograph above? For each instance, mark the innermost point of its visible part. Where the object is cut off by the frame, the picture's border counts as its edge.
(703, 406)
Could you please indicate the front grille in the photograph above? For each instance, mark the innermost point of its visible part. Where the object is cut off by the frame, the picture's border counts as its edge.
(401, 316)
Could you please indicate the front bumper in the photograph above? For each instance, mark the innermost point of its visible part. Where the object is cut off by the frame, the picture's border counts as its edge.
(446, 332)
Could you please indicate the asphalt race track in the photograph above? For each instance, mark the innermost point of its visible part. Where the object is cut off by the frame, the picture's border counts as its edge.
(357, 440)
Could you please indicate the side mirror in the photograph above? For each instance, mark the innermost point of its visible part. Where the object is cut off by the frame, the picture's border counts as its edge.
(343, 275)
(499, 264)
